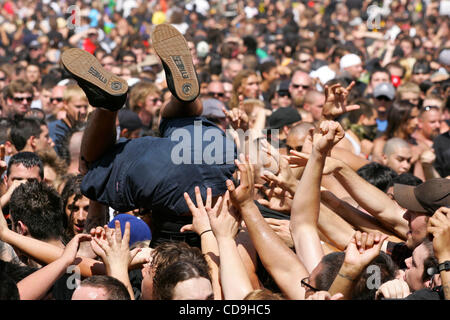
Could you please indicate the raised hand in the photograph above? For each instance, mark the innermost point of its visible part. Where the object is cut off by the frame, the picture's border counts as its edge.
(393, 289)
(223, 218)
(330, 133)
(71, 248)
(279, 200)
(200, 221)
(237, 117)
(363, 248)
(336, 101)
(439, 227)
(242, 196)
(115, 251)
(285, 177)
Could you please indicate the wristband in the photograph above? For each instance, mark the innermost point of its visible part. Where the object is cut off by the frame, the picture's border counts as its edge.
(205, 232)
(444, 266)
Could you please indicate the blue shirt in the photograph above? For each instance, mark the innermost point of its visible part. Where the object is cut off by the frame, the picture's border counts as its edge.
(58, 131)
(154, 172)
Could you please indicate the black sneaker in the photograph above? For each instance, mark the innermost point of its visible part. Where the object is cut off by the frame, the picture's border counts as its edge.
(103, 89)
(176, 58)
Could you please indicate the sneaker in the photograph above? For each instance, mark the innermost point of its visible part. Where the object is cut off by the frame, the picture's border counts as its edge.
(103, 89)
(176, 58)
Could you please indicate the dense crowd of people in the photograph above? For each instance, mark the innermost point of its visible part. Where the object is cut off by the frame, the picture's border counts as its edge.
(224, 150)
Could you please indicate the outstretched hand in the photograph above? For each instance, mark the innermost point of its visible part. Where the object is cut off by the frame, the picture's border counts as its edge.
(336, 101)
(114, 250)
(242, 196)
(237, 117)
(329, 134)
(200, 221)
(439, 227)
(224, 219)
(71, 248)
(363, 248)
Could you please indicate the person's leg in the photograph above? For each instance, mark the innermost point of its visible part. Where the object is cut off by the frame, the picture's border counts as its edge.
(179, 68)
(100, 135)
(105, 91)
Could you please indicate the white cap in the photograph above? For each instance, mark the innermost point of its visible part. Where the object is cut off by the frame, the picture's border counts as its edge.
(349, 60)
(324, 74)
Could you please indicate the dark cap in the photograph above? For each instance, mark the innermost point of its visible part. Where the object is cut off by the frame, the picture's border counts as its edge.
(213, 108)
(283, 117)
(426, 197)
(129, 120)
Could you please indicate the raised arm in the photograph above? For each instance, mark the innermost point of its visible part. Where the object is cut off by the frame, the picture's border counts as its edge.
(284, 266)
(37, 284)
(200, 225)
(361, 250)
(306, 204)
(439, 227)
(224, 221)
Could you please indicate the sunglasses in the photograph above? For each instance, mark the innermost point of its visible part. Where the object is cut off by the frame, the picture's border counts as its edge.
(20, 99)
(2, 79)
(296, 86)
(217, 94)
(56, 99)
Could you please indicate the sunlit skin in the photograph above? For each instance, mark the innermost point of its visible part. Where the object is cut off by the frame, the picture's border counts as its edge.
(250, 87)
(415, 268)
(20, 172)
(77, 109)
(417, 223)
(193, 289)
(400, 160)
(429, 123)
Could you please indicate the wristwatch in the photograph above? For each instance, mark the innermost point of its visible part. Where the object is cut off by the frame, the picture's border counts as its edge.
(444, 266)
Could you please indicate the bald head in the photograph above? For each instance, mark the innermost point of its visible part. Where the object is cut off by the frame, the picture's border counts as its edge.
(397, 155)
(297, 135)
(394, 144)
(314, 101)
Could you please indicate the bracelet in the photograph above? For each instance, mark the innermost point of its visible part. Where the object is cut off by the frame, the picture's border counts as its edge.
(205, 232)
(345, 276)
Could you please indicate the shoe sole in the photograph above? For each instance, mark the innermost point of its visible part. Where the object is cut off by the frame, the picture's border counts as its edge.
(174, 52)
(85, 66)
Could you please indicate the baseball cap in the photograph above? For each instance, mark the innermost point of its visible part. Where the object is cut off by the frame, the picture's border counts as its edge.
(283, 117)
(213, 108)
(148, 62)
(129, 120)
(426, 197)
(349, 60)
(384, 89)
(139, 230)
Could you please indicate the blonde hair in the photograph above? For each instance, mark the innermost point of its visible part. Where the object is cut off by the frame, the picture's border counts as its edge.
(139, 93)
(407, 87)
(249, 105)
(73, 91)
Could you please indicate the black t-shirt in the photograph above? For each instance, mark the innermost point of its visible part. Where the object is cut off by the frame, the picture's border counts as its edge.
(427, 294)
